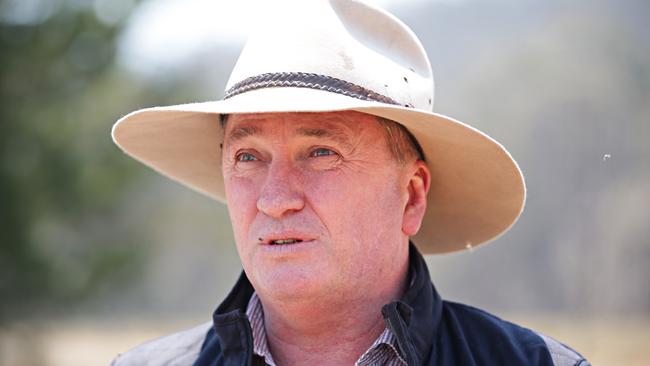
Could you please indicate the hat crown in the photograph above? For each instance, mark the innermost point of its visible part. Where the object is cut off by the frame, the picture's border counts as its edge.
(340, 39)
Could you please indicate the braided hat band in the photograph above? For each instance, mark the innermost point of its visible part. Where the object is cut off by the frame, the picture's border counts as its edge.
(308, 80)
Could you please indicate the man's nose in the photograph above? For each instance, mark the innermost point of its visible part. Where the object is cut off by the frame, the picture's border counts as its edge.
(281, 193)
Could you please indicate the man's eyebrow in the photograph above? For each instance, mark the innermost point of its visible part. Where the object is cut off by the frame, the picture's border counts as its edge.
(333, 134)
(239, 133)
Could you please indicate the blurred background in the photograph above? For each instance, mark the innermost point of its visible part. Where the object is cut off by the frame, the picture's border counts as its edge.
(99, 253)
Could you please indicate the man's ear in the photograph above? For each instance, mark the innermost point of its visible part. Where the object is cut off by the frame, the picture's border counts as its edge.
(418, 187)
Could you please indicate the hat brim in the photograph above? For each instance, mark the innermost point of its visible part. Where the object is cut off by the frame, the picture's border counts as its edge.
(477, 190)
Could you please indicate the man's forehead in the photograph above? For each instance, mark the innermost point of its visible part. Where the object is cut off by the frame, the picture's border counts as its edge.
(335, 125)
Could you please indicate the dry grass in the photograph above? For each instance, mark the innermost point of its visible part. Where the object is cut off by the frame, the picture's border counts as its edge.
(603, 342)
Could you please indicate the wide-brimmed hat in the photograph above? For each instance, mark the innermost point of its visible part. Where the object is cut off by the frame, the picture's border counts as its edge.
(339, 55)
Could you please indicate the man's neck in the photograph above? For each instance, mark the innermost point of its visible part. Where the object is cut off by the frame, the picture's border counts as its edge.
(328, 331)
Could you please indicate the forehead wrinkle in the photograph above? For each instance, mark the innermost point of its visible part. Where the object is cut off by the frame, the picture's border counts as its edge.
(241, 132)
(333, 134)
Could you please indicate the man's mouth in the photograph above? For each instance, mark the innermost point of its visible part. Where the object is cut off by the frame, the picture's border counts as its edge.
(285, 241)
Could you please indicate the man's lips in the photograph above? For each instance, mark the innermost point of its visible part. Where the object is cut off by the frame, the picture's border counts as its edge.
(281, 244)
(284, 239)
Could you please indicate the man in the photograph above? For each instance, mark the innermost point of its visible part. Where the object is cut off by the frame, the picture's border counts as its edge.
(336, 175)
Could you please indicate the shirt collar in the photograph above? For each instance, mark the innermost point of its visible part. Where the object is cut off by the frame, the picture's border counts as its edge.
(255, 314)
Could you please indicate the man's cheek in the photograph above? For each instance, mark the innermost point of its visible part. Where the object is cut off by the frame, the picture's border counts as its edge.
(242, 209)
(241, 193)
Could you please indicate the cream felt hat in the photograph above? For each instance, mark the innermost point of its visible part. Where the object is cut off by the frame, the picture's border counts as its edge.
(336, 55)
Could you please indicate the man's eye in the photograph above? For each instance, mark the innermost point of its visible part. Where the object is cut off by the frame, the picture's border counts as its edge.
(322, 152)
(245, 157)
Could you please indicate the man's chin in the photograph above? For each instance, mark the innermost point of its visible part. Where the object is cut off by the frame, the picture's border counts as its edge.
(290, 280)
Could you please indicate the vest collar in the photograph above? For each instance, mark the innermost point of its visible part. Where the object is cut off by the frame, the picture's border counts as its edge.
(415, 318)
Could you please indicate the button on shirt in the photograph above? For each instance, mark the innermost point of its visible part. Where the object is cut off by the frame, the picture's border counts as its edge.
(382, 352)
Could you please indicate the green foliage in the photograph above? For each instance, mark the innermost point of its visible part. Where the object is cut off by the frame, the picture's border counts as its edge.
(61, 181)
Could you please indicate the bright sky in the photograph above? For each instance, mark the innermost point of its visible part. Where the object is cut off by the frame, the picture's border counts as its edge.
(163, 33)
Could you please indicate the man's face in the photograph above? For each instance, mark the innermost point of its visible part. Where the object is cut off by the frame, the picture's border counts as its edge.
(316, 201)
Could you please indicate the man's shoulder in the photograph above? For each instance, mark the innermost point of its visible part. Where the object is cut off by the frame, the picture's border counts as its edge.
(181, 348)
(562, 354)
(492, 336)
